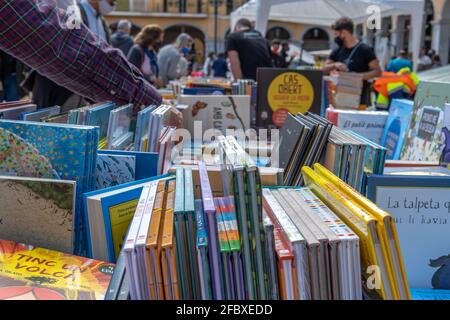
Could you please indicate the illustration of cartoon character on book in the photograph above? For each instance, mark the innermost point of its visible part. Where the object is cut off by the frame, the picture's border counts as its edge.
(441, 278)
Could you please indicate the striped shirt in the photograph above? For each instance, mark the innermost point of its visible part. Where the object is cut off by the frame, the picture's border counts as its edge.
(48, 40)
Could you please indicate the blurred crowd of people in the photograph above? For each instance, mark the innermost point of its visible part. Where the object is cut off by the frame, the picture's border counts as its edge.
(246, 50)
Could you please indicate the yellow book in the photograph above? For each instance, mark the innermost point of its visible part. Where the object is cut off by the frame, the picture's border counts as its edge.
(168, 254)
(387, 224)
(376, 273)
(152, 258)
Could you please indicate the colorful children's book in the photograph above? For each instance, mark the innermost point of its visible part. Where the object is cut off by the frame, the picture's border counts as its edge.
(33, 273)
(398, 122)
(52, 151)
(424, 140)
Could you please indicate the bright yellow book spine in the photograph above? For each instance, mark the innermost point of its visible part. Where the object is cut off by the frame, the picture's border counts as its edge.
(383, 218)
(357, 219)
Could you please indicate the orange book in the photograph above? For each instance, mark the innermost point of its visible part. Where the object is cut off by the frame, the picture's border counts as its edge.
(153, 264)
(286, 272)
(168, 254)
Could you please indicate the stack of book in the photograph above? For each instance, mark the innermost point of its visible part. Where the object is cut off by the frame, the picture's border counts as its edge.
(352, 157)
(382, 265)
(150, 126)
(303, 140)
(119, 134)
(40, 114)
(348, 88)
(322, 242)
(93, 115)
(14, 110)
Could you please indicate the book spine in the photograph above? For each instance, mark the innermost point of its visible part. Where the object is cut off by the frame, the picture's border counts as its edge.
(136, 222)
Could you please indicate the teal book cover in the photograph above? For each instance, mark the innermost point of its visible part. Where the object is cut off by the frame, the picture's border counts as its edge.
(99, 116)
(398, 122)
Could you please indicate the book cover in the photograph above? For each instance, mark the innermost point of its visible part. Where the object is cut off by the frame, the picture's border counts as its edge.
(420, 207)
(398, 122)
(33, 273)
(369, 124)
(99, 116)
(424, 140)
(146, 162)
(41, 113)
(113, 170)
(52, 151)
(281, 91)
(216, 112)
(38, 212)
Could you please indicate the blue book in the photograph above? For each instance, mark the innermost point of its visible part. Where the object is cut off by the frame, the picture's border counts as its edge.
(146, 162)
(204, 91)
(53, 151)
(430, 294)
(99, 116)
(107, 214)
(397, 125)
(41, 113)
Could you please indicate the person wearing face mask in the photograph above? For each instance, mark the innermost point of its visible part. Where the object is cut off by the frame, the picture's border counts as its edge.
(352, 55)
(172, 60)
(144, 54)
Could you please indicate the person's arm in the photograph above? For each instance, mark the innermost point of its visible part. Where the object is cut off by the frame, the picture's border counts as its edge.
(375, 70)
(235, 64)
(39, 35)
(331, 65)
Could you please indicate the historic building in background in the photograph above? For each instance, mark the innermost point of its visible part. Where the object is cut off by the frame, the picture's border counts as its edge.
(208, 22)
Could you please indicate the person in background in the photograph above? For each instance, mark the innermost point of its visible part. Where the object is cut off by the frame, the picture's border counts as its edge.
(247, 50)
(437, 61)
(82, 63)
(144, 54)
(8, 78)
(286, 59)
(47, 93)
(207, 66)
(352, 55)
(220, 66)
(92, 14)
(121, 39)
(424, 62)
(277, 61)
(171, 59)
(400, 62)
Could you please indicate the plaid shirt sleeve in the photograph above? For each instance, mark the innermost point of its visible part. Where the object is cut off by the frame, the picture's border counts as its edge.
(43, 37)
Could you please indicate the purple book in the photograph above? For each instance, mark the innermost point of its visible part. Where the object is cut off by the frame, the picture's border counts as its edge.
(211, 229)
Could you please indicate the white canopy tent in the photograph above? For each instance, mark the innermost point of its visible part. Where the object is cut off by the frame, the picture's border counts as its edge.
(325, 12)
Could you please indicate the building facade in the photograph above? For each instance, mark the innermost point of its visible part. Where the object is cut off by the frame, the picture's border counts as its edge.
(199, 19)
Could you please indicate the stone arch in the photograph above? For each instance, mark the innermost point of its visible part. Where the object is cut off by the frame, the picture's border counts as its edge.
(315, 38)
